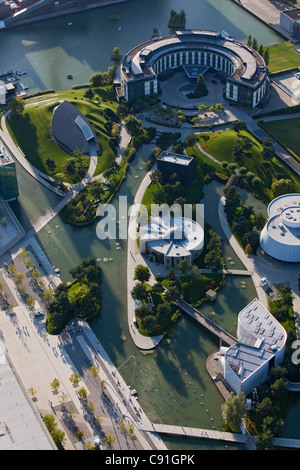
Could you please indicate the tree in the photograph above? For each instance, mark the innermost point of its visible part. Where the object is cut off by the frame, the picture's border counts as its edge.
(48, 295)
(255, 44)
(17, 105)
(88, 445)
(177, 20)
(171, 274)
(32, 392)
(57, 435)
(201, 88)
(264, 441)
(267, 56)
(4, 222)
(142, 273)
(149, 323)
(110, 439)
(74, 379)
(139, 292)
(172, 294)
(82, 393)
(190, 140)
(50, 164)
(213, 261)
(249, 40)
(156, 176)
(94, 371)
(143, 311)
(19, 277)
(116, 55)
(11, 269)
(132, 125)
(70, 168)
(265, 407)
(30, 302)
(268, 152)
(278, 389)
(282, 186)
(55, 384)
(155, 33)
(234, 410)
(238, 126)
(184, 267)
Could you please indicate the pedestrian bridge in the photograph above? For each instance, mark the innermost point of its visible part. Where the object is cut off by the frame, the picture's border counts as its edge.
(203, 320)
(246, 439)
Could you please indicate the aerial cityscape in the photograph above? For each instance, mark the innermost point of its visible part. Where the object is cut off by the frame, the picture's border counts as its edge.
(150, 227)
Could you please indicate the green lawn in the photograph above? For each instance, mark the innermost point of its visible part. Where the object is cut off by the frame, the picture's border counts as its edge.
(283, 57)
(287, 132)
(221, 147)
(30, 130)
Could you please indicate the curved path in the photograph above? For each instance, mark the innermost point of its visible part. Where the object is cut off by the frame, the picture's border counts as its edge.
(133, 259)
(18, 155)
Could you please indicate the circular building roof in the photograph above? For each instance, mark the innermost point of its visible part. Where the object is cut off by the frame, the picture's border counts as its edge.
(280, 238)
(173, 236)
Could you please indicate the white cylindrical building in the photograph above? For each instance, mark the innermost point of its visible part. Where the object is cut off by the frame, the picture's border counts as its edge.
(169, 240)
(280, 237)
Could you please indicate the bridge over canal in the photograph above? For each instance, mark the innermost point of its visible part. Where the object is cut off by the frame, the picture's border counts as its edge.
(206, 322)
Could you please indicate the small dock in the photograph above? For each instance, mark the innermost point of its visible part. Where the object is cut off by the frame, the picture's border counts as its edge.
(206, 322)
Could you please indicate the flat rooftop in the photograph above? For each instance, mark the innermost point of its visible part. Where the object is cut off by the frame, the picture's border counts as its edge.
(294, 14)
(175, 158)
(21, 427)
(4, 157)
(283, 202)
(248, 64)
(260, 336)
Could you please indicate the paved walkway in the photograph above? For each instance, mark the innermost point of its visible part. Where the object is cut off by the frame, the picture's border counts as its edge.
(40, 357)
(18, 155)
(267, 11)
(135, 258)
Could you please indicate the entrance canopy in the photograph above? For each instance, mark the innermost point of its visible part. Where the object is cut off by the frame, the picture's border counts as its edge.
(193, 71)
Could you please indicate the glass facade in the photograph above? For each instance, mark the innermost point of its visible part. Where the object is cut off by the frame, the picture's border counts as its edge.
(8, 181)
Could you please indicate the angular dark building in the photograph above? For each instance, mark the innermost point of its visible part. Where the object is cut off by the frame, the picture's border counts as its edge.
(169, 163)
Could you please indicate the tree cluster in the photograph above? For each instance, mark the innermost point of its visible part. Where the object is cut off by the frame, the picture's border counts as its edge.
(103, 78)
(243, 219)
(214, 258)
(177, 20)
(85, 302)
(263, 51)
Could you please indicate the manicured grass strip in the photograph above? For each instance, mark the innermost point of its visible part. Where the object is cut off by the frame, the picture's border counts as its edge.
(286, 132)
(283, 57)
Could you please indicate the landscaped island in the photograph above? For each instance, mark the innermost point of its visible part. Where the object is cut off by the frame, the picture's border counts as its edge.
(81, 298)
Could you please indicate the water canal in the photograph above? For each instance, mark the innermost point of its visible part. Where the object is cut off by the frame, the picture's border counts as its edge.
(50, 50)
(172, 382)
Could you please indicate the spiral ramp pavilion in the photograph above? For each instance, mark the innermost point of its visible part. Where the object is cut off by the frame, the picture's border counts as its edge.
(280, 237)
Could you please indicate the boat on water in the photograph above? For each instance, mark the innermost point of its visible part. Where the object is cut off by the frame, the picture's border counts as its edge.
(114, 17)
(69, 24)
(119, 28)
(21, 72)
